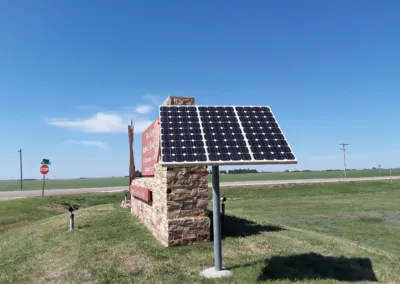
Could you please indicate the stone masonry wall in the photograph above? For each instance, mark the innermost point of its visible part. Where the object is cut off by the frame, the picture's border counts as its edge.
(154, 215)
(187, 202)
(172, 100)
(178, 214)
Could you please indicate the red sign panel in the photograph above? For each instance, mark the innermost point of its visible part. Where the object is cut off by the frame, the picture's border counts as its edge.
(150, 148)
(142, 193)
(44, 169)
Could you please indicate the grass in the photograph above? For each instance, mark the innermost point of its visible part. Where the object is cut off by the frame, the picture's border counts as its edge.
(64, 183)
(308, 175)
(309, 233)
(122, 181)
(21, 212)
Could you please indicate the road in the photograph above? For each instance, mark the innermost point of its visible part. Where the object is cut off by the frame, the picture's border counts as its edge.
(8, 195)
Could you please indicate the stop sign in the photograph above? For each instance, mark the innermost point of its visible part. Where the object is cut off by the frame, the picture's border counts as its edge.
(44, 169)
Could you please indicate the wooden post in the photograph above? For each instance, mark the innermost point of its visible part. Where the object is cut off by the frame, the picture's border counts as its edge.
(131, 154)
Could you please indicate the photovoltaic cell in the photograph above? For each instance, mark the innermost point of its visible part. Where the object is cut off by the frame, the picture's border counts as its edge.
(218, 135)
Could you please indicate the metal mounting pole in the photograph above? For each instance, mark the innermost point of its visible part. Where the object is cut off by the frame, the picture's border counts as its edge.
(217, 271)
(44, 180)
(217, 219)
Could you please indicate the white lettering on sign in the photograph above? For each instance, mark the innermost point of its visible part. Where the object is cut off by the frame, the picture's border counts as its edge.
(151, 146)
(149, 159)
(139, 193)
(149, 168)
(150, 133)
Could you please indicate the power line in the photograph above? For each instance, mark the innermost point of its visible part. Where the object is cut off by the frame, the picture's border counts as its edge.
(20, 164)
(344, 156)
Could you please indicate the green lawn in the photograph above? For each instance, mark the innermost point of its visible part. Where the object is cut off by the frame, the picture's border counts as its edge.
(306, 175)
(121, 181)
(65, 183)
(331, 233)
(21, 212)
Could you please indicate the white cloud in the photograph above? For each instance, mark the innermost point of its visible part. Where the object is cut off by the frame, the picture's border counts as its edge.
(143, 109)
(112, 122)
(157, 100)
(101, 123)
(90, 143)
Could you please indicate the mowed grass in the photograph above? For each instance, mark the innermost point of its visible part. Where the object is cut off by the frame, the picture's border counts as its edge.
(21, 212)
(8, 185)
(307, 175)
(123, 181)
(331, 233)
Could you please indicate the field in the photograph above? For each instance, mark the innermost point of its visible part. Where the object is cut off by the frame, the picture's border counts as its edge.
(121, 181)
(319, 233)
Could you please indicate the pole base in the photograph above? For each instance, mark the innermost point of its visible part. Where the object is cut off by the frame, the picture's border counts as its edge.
(212, 273)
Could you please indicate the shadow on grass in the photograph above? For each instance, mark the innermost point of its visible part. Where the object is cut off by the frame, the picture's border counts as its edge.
(232, 226)
(316, 266)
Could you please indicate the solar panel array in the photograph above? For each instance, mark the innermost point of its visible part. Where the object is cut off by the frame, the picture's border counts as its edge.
(222, 135)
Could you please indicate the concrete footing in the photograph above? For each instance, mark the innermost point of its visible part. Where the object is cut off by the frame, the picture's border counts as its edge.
(212, 273)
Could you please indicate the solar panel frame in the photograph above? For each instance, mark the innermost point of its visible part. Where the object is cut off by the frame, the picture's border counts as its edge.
(209, 162)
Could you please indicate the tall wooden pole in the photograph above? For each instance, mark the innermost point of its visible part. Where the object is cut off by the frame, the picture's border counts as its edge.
(344, 156)
(131, 154)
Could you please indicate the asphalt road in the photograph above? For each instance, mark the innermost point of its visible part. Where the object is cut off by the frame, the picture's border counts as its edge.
(8, 195)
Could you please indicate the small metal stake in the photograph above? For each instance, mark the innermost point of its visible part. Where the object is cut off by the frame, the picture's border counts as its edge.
(71, 219)
(223, 199)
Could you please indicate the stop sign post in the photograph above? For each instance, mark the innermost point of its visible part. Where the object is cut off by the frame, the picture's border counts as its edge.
(44, 170)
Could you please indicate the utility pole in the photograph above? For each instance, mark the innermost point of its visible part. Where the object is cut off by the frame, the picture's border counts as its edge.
(344, 156)
(20, 164)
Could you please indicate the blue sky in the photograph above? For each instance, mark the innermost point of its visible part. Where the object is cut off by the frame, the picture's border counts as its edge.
(73, 73)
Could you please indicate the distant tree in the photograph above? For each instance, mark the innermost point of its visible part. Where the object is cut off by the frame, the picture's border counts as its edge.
(242, 171)
(138, 173)
(374, 168)
(286, 171)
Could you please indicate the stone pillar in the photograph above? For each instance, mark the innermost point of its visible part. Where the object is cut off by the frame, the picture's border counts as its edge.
(178, 214)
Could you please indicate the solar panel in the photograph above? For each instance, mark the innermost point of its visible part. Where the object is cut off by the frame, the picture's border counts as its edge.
(222, 135)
